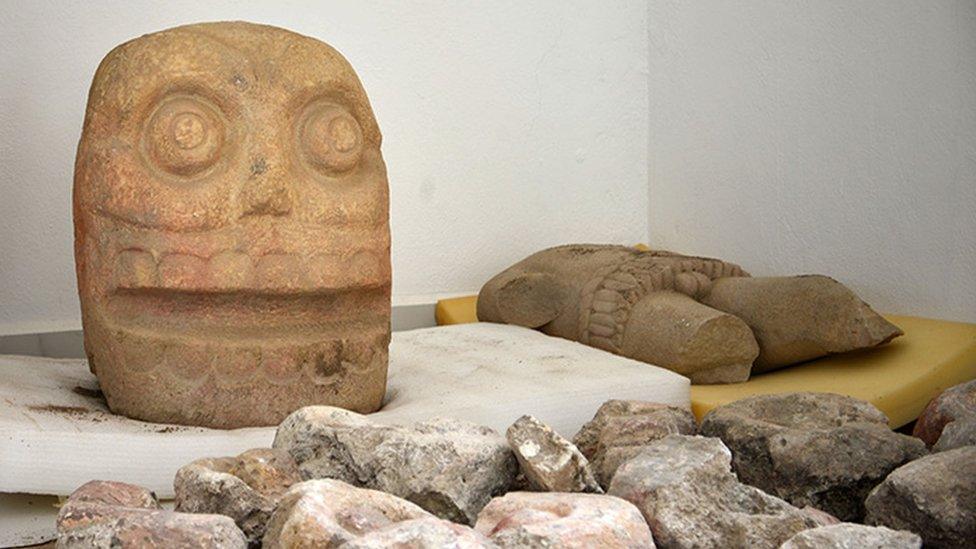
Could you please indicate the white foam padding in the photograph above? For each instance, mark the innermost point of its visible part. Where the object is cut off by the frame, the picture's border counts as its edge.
(54, 436)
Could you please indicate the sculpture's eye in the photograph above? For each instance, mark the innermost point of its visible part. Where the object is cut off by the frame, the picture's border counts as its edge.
(331, 139)
(184, 136)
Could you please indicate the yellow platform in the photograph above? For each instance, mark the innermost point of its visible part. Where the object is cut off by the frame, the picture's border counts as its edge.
(899, 378)
(458, 310)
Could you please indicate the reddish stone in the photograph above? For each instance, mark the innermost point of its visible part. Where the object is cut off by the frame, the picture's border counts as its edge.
(116, 515)
(556, 519)
(954, 403)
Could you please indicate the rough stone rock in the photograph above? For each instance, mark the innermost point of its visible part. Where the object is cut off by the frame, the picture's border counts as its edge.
(328, 513)
(684, 487)
(818, 449)
(451, 468)
(853, 536)
(799, 318)
(823, 517)
(959, 433)
(956, 402)
(934, 496)
(422, 533)
(621, 428)
(116, 515)
(549, 461)
(543, 520)
(246, 488)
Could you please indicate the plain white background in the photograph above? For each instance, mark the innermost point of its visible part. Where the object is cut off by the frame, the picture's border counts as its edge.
(791, 137)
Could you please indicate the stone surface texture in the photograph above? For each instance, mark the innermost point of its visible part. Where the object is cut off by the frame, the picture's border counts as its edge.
(116, 515)
(853, 536)
(246, 487)
(818, 449)
(959, 433)
(549, 462)
(700, 317)
(542, 520)
(621, 428)
(232, 238)
(799, 318)
(449, 467)
(328, 513)
(955, 403)
(424, 533)
(934, 496)
(689, 497)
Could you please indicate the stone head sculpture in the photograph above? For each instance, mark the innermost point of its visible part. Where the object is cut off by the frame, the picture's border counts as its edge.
(232, 239)
(704, 318)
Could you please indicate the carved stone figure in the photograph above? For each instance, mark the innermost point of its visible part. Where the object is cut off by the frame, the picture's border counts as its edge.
(703, 318)
(232, 238)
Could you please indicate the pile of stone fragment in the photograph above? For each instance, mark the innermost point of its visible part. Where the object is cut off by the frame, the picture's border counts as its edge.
(799, 470)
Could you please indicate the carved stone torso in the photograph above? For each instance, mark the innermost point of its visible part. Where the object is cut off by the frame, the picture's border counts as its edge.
(607, 298)
(704, 318)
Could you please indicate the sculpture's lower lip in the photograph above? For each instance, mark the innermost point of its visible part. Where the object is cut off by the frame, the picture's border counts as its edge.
(247, 314)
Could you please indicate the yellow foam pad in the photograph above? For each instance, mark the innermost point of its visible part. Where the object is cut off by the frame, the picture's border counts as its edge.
(457, 310)
(899, 378)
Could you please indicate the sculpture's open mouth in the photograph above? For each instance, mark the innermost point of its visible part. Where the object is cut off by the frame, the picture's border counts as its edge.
(253, 279)
(266, 257)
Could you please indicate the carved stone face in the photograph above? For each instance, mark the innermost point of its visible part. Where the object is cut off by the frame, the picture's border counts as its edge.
(231, 228)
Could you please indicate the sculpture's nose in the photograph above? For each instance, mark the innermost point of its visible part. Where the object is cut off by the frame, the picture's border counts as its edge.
(266, 192)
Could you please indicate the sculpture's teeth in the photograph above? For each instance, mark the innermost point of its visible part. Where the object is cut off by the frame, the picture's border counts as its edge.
(606, 295)
(280, 367)
(182, 272)
(231, 270)
(234, 366)
(190, 363)
(279, 272)
(332, 271)
(324, 270)
(136, 269)
(366, 268)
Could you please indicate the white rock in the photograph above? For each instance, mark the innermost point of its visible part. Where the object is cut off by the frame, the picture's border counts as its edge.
(116, 515)
(426, 533)
(330, 513)
(449, 467)
(549, 461)
(934, 496)
(621, 428)
(570, 520)
(847, 535)
(685, 489)
(245, 488)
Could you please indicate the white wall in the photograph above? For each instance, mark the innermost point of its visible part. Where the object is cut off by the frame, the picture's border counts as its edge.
(508, 127)
(831, 136)
(827, 137)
